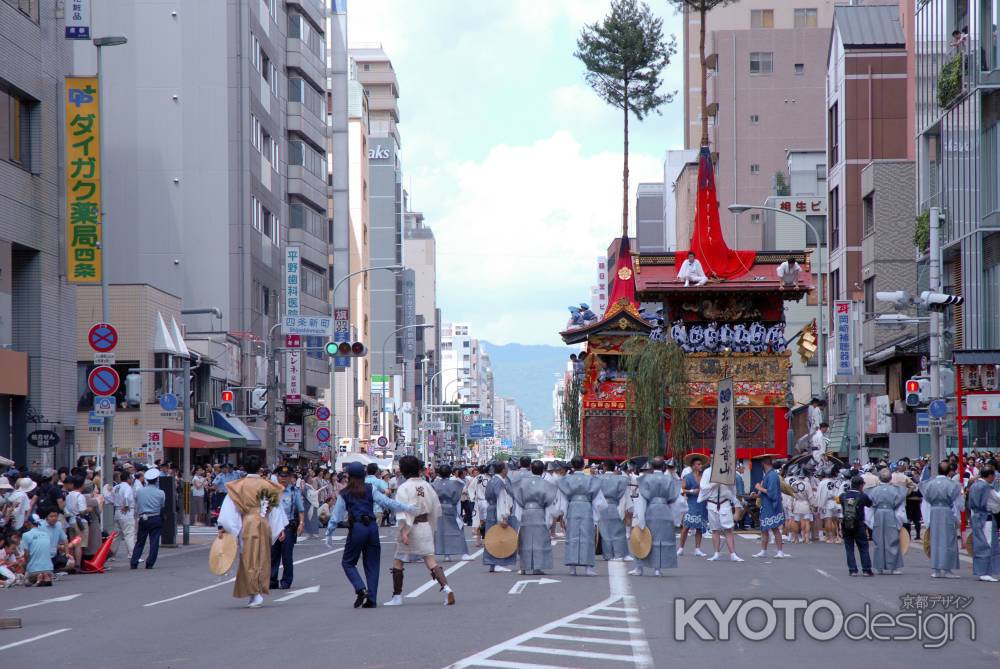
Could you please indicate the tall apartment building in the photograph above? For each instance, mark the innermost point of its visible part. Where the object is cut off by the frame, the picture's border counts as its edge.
(420, 253)
(768, 85)
(385, 206)
(38, 380)
(958, 121)
(217, 152)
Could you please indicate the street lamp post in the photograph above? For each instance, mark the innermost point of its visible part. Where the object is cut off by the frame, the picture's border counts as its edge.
(109, 421)
(333, 296)
(740, 208)
(416, 326)
(820, 247)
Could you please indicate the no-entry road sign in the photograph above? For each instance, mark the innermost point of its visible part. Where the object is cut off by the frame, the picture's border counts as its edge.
(103, 381)
(103, 338)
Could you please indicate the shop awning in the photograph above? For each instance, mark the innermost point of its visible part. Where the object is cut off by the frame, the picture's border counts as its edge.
(175, 439)
(234, 424)
(234, 440)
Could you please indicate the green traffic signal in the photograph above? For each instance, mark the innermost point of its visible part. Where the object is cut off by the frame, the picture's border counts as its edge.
(331, 348)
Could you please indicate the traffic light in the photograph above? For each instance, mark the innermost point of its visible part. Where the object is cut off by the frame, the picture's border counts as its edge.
(346, 349)
(228, 404)
(940, 301)
(807, 342)
(917, 391)
(133, 389)
(258, 399)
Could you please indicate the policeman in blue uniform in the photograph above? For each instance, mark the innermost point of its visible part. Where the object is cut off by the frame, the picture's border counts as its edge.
(281, 550)
(356, 504)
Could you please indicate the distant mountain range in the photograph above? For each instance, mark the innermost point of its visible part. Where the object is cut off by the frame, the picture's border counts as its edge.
(526, 373)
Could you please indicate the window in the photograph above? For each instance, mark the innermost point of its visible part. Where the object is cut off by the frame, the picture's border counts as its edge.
(255, 52)
(869, 287)
(754, 168)
(15, 124)
(255, 213)
(254, 132)
(265, 301)
(820, 172)
(27, 7)
(303, 217)
(299, 28)
(834, 286)
(754, 119)
(806, 18)
(833, 133)
(313, 282)
(800, 68)
(302, 154)
(755, 219)
(270, 225)
(368, 67)
(761, 18)
(761, 62)
(868, 213)
(833, 211)
(818, 222)
(306, 94)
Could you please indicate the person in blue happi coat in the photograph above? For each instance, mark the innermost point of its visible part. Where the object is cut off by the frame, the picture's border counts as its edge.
(772, 515)
(356, 504)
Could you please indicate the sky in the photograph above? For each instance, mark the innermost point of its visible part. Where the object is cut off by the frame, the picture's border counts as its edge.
(513, 159)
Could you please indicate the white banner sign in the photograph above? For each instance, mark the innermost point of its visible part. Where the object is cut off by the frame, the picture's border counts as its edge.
(307, 326)
(724, 462)
(154, 439)
(293, 434)
(842, 328)
(292, 276)
(77, 19)
(293, 372)
(981, 405)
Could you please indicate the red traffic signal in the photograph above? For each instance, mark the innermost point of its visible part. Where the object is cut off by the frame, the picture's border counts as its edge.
(228, 404)
(227, 395)
(912, 386)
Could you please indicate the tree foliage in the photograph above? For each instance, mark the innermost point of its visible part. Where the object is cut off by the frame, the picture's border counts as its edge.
(571, 413)
(657, 381)
(625, 55)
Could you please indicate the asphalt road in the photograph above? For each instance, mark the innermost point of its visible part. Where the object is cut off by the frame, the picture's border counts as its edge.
(180, 615)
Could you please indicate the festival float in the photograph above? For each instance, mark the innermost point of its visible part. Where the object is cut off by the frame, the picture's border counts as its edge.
(730, 327)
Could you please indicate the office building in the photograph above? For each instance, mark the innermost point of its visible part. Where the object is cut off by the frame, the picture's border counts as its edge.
(217, 153)
(650, 227)
(674, 219)
(38, 381)
(420, 254)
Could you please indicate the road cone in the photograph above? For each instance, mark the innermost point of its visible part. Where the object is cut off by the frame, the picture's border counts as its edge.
(95, 565)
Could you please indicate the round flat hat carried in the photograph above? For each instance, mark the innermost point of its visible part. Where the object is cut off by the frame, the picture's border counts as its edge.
(904, 540)
(927, 542)
(968, 545)
(640, 542)
(501, 541)
(691, 457)
(222, 554)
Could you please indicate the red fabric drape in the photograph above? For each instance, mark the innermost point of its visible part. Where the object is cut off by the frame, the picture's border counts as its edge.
(707, 241)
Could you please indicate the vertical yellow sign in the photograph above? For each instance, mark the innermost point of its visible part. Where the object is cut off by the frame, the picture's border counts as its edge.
(83, 181)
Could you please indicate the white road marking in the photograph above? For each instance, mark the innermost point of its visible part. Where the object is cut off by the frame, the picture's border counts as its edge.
(64, 598)
(298, 593)
(823, 573)
(35, 638)
(447, 572)
(231, 580)
(634, 648)
(519, 587)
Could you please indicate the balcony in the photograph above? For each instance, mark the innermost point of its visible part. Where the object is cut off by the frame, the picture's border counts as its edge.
(307, 186)
(304, 122)
(300, 57)
(311, 8)
(371, 77)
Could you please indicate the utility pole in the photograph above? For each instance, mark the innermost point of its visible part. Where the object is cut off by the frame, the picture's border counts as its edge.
(934, 271)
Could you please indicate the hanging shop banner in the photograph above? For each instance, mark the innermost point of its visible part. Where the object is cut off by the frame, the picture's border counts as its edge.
(83, 181)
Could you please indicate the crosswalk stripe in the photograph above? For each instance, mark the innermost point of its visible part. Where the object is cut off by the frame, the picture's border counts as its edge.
(626, 619)
(593, 639)
(576, 653)
(515, 665)
(596, 628)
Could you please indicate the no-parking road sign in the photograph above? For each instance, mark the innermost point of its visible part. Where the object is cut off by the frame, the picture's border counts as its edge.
(322, 434)
(103, 338)
(103, 381)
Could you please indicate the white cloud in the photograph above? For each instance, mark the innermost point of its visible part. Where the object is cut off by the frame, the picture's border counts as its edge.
(518, 233)
(579, 107)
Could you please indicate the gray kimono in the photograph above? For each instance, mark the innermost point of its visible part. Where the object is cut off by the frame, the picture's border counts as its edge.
(493, 488)
(580, 491)
(659, 491)
(535, 497)
(888, 502)
(614, 543)
(449, 539)
(985, 543)
(944, 497)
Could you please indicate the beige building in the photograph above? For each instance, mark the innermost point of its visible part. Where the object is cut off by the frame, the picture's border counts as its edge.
(768, 83)
(685, 194)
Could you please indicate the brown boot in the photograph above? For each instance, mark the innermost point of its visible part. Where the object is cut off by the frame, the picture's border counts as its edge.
(438, 574)
(397, 581)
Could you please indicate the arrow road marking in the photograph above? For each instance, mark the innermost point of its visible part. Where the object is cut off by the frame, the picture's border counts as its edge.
(64, 598)
(519, 587)
(298, 593)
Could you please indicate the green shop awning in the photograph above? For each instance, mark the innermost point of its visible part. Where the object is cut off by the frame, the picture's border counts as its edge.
(235, 440)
